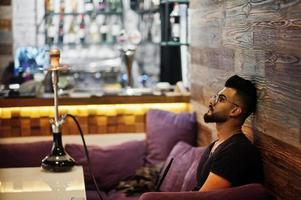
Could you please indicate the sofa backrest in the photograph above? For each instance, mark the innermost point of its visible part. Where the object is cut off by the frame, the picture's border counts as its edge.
(24, 154)
(100, 140)
(29, 151)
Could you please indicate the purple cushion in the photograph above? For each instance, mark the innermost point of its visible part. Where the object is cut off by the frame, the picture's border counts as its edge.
(164, 129)
(190, 179)
(111, 164)
(185, 157)
(24, 154)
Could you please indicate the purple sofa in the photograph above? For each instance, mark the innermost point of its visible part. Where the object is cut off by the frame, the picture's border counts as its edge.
(168, 135)
(245, 192)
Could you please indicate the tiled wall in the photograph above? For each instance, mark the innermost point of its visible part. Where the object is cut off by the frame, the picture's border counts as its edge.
(93, 119)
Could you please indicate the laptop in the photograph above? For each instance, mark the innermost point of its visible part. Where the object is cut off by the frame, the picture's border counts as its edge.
(161, 179)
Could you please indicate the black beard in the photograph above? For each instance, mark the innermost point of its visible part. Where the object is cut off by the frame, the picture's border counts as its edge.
(214, 118)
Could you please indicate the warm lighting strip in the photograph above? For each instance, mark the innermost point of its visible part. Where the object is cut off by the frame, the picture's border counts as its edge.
(86, 110)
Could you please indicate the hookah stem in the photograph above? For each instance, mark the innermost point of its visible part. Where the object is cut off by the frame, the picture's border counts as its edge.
(55, 78)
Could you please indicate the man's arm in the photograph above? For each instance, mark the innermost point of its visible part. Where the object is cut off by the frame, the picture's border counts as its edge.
(214, 182)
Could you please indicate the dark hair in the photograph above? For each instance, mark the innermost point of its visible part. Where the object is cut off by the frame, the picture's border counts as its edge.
(246, 90)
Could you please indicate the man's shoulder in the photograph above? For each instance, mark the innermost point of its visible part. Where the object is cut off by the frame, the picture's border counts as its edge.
(240, 144)
(240, 138)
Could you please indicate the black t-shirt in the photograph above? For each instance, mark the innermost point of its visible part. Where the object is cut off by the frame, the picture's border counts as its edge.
(236, 159)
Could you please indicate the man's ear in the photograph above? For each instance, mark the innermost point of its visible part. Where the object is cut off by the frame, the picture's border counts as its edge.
(236, 111)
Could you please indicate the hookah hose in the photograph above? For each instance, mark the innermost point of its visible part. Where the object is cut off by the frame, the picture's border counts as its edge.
(87, 156)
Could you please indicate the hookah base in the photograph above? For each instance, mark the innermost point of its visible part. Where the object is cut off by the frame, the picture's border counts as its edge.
(55, 163)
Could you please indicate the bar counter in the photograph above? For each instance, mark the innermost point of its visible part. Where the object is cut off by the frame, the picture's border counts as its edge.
(96, 115)
(23, 102)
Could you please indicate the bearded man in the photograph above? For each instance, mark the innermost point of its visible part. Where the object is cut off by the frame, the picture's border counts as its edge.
(231, 160)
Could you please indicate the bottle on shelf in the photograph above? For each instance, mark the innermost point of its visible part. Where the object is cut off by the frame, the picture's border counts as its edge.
(94, 34)
(56, 6)
(70, 21)
(61, 31)
(118, 5)
(71, 6)
(155, 4)
(145, 5)
(104, 32)
(134, 4)
(49, 6)
(51, 31)
(115, 30)
(80, 7)
(141, 5)
(89, 6)
(183, 23)
(71, 34)
(102, 4)
(113, 5)
(82, 29)
(156, 28)
(175, 23)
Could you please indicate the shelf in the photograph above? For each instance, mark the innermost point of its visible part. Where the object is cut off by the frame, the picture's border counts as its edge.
(174, 1)
(172, 43)
(85, 44)
(149, 42)
(87, 13)
(109, 12)
(151, 11)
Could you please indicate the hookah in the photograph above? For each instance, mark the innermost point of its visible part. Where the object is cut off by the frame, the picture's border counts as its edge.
(58, 160)
(128, 57)
(128, 49)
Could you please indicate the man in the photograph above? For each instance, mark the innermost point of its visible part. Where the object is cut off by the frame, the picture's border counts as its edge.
(231, 160)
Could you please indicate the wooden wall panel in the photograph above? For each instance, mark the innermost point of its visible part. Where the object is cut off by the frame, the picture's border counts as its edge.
(282, 168)
(5, 2)
(259, 40)
(5, 28)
